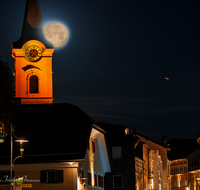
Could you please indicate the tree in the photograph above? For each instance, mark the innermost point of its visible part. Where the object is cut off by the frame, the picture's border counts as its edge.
(7, 106)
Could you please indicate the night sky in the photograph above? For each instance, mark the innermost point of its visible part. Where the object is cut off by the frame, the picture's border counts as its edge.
(117, 57)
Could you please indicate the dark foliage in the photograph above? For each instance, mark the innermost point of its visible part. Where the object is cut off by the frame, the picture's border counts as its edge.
(7, 111)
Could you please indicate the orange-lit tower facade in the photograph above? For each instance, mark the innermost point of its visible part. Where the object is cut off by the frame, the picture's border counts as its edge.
(33, 60)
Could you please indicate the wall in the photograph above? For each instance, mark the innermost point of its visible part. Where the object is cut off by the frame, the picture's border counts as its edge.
(139, 173)
(23, 69)
(179, 174)
(33, 173)
(91, 164)
(124, 166)
(163, 154)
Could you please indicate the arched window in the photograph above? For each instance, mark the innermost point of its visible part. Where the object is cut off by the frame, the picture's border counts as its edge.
(33, 84)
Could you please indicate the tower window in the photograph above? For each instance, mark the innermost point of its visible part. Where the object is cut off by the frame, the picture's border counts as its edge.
(33, 84)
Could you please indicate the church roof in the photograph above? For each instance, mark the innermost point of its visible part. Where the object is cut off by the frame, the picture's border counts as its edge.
(32, 26)
(56, 132)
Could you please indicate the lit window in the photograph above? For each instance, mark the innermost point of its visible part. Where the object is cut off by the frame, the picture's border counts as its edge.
(116, 152)
(33, 84)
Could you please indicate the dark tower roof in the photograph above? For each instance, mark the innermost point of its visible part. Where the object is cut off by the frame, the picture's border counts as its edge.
(32, 27)
(33, 15)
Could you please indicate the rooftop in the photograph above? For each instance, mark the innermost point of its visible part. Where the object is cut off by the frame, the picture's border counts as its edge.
(56, 132)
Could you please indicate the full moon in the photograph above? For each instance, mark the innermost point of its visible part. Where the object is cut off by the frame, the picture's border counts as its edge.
(56, 33)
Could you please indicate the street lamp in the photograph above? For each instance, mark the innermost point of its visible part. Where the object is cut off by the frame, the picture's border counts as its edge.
(11, 153)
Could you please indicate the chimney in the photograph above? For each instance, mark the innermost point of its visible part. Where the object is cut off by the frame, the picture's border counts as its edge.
(164, 140)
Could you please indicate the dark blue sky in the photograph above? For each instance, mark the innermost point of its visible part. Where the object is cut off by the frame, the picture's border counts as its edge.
(117, 57)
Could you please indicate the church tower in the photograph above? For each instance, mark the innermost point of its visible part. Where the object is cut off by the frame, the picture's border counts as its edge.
(33, 60)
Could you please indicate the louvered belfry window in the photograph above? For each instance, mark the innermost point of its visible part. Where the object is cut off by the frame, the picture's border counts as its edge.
(33, 84)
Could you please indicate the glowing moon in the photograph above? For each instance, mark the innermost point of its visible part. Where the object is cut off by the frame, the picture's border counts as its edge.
(56, 33)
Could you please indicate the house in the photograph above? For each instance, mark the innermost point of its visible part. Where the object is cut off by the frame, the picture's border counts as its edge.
(121, 147)
(66, 149)
(139, 173)
(184, 157)
(156, 167)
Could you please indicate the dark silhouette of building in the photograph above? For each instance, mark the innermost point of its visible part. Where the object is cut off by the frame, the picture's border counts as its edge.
(122, 157)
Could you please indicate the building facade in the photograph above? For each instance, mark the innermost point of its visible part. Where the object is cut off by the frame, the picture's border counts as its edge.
(156, 164)
(121, 147)
(139, 173)
(184, 164)
(179, 174)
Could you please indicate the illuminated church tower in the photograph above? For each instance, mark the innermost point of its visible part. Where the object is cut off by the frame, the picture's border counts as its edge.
(33, 60)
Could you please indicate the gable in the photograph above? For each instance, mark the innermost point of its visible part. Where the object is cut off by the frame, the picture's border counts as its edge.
(96, 156)
(96, 162)
(102, 149)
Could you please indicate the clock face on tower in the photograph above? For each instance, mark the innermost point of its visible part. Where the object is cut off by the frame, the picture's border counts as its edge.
(33, 53)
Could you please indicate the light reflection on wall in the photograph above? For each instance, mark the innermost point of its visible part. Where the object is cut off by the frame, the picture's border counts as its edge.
(151, 184)
(179, 184)
(91, 161)
(78, 183)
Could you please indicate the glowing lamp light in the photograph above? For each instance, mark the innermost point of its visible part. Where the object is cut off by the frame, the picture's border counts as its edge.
(21, 149)
(21, 141)
(126, 131)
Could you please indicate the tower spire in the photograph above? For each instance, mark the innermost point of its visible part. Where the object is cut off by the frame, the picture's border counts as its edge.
(32, 15)
(32, 26)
